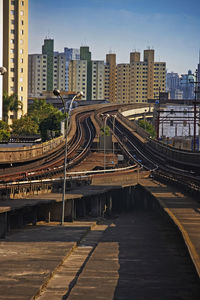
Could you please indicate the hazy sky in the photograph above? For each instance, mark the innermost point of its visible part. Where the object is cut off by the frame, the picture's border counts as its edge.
(171, 27)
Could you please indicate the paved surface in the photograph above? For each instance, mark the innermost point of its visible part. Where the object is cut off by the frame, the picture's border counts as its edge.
(138, 257)
(185, 213)
(30, 256)
(136, 246)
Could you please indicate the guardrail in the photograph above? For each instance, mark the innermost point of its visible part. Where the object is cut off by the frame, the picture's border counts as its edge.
(20, 154)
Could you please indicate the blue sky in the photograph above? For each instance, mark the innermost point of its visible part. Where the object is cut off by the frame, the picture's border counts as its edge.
(171, 27)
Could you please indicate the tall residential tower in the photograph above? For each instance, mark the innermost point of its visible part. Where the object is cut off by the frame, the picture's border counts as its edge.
(15, 50)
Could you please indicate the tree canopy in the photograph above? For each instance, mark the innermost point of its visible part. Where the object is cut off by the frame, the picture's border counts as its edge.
(24, 126)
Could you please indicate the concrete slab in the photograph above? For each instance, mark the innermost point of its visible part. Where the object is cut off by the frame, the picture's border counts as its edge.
(30, 256)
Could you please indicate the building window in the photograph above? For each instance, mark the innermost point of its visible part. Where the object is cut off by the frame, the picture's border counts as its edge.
(21, 51)
(12, 60)
(21, 42)
(21, 98)
(21, 13)
(12, 41)
(22, 22)
(12, 69)
(12, 12)
(13, 2)
(21, 79)
(22, 32)
(171, 123)
(12, 31)
(21, 88)
(12, 79)
(13, 22)
(21, 60)
(22, 3)
(21, 70)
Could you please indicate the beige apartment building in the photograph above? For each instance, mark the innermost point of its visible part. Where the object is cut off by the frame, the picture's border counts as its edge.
(110, 78)
(140, 80)
(98, 80)
(123, 83)
(15, 51)
(78, 77)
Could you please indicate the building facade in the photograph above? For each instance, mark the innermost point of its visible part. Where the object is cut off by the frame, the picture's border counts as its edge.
(59, 71)
(111, 78)
(98, 79)
(78, 76)
(139, 80)
(37, 74)
(70, 54)
(123, 83)
(15, 51)
(48, 50)
(1, 57)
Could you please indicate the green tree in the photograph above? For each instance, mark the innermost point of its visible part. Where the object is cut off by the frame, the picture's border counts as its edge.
(148, 127)
(24, 126)
(10, 103)
(50, 127)
(4, 131)
(107, 131)
(47, 117)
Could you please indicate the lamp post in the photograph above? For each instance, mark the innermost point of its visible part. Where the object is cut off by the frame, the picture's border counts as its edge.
(3, 70)
(67, 117)
(145, 125)
(105, 117)
(114, 117)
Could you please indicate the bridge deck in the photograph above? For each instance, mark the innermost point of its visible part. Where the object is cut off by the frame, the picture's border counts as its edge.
(155, 254)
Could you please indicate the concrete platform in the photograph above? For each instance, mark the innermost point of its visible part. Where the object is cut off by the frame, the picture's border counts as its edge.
(29, 257)
(138, 257)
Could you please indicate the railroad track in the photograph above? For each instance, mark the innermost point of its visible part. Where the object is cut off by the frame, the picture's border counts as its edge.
(134, 148)
(77, 150)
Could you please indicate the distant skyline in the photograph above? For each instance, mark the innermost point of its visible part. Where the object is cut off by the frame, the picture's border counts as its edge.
(120, 26)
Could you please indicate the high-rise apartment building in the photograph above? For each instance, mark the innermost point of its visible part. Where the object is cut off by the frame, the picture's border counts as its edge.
(48, 50)
(86, 55)
(70, 54)
(45, 74)
(78, 76)
(110, 78)
(123, 83)
(98, 79)
(59, 74)
(37, 74)
(148, 78)
(15, 50)
(1, 57)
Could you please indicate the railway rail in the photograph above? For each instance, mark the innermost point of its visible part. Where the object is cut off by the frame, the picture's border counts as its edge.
(78, 149)
(135, 147)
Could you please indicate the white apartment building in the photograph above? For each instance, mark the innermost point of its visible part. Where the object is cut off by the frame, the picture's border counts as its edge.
(59, 71)
(37, 74)
(98, 79)
(78, 77)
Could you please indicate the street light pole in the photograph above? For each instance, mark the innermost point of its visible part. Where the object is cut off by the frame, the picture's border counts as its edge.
(105, 117)
(114, 117)
(67, 117)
